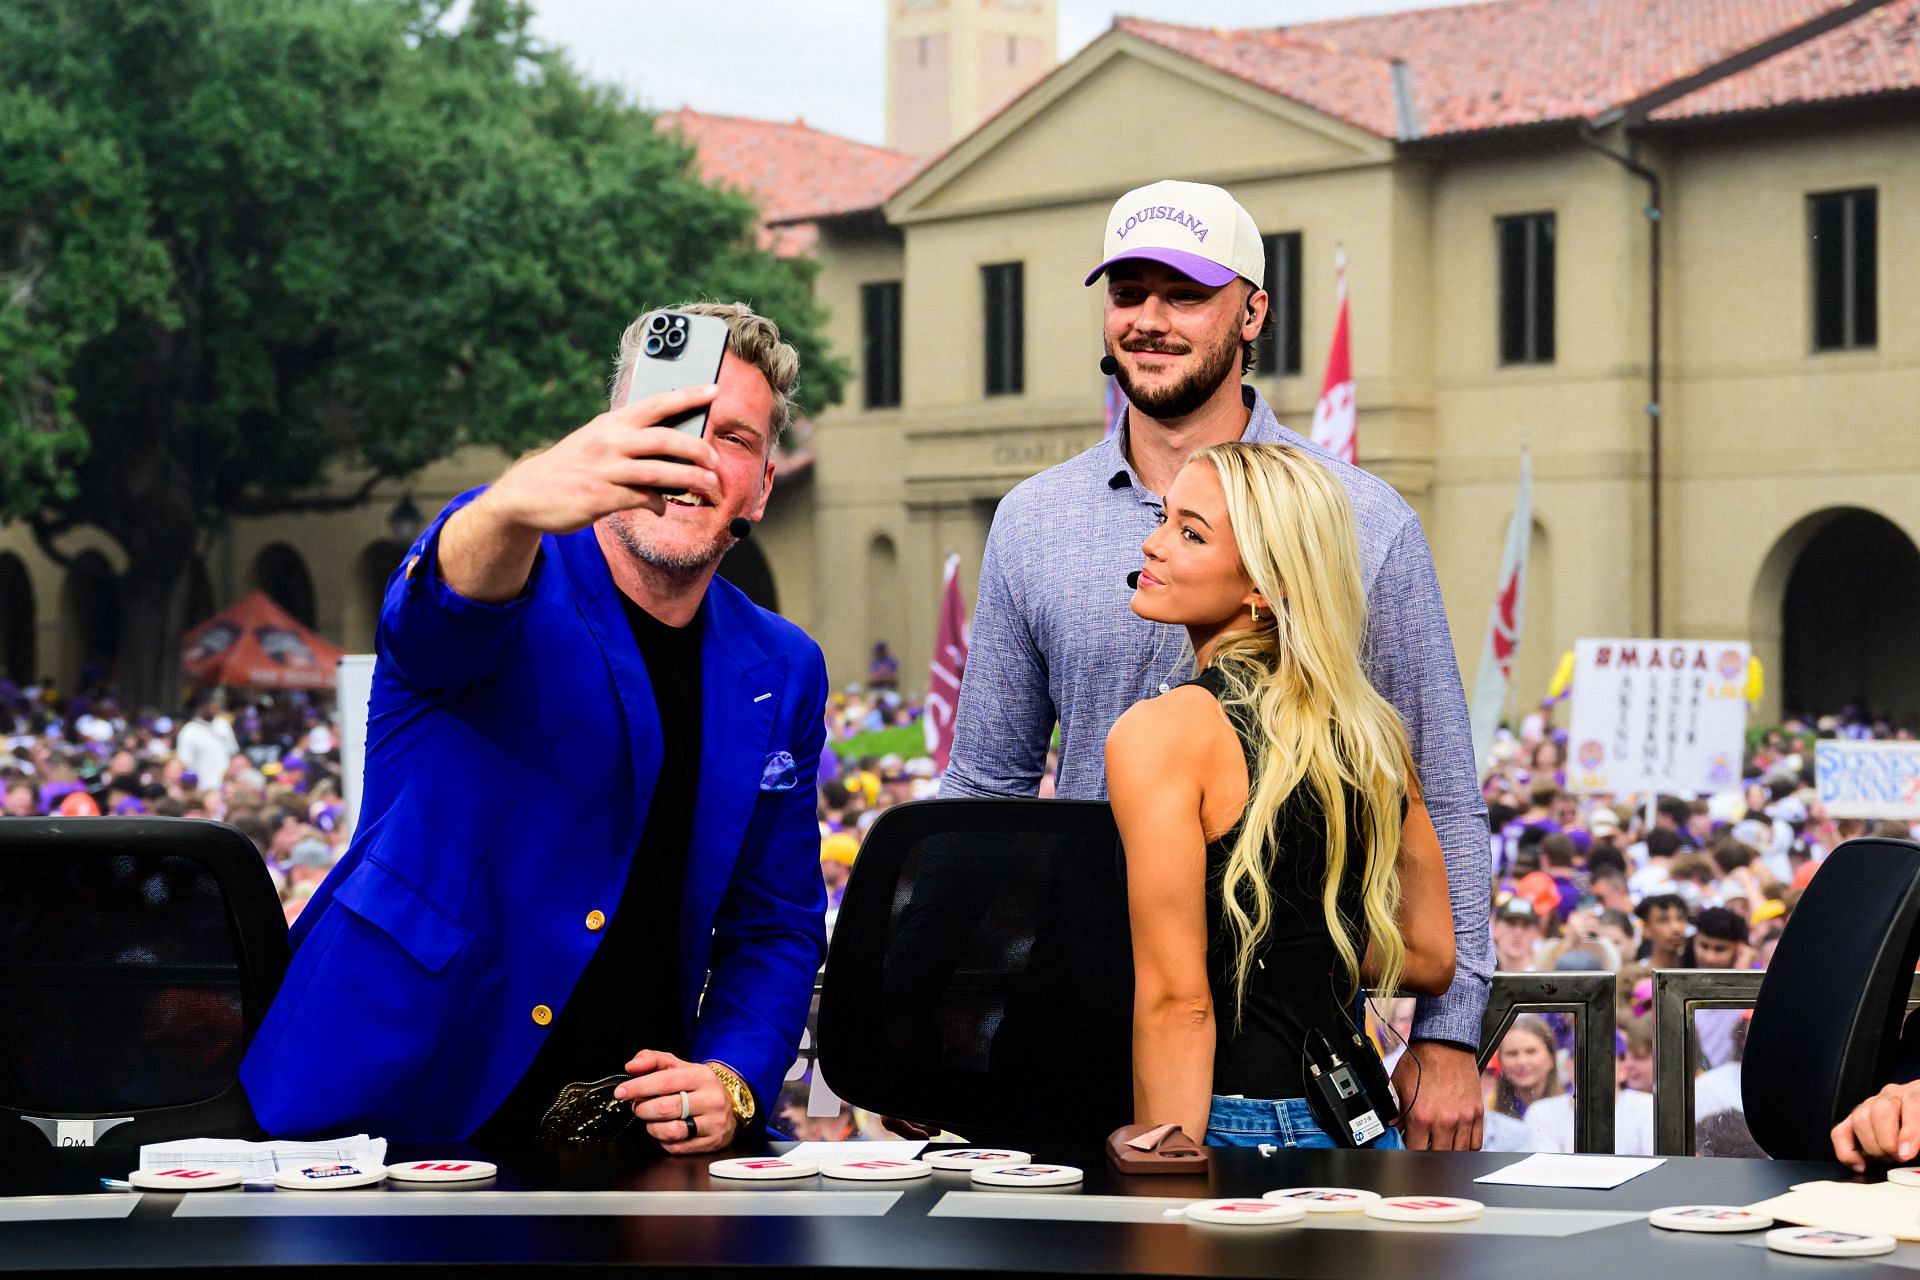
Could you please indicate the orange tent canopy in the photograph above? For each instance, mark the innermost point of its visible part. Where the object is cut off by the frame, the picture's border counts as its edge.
(255, 644)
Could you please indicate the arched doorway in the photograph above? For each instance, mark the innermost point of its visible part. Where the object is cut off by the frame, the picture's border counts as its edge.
(377, 564)
(883, 596)
(200, 604)
(18, 619)
(746, 568)
(90, 607)
(1839, 600)
(281, 572)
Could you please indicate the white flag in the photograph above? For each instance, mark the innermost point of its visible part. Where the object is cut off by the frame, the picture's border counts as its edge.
(1336, 416)
(1503, 621)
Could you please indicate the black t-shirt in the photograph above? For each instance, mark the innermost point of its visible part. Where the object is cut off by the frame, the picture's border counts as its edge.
(628, 997)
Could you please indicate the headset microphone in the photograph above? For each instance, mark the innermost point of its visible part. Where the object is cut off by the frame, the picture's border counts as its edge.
(1133, 580)
(1109, 366)
(740, 527)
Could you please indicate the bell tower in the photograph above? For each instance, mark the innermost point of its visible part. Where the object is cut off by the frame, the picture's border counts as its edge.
(953, 63)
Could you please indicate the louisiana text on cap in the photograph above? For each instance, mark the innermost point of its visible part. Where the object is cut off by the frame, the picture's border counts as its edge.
(1198, 230)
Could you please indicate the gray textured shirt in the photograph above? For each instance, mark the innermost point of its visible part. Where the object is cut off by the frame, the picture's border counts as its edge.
(1054, 639)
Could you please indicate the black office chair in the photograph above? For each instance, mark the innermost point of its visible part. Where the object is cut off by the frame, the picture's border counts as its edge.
(981, 972)
(1826, 1026)
(137, 958)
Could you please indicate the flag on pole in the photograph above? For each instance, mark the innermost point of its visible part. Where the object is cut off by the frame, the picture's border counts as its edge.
(949, 663)
(1335, 417)
(1503, 623)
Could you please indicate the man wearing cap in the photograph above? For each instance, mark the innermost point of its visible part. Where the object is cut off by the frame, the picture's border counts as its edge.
(1054, 638)
(1517, 931)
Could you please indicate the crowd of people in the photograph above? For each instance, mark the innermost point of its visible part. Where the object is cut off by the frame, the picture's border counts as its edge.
(1629, 884)
(1622, 885)
(267, 764)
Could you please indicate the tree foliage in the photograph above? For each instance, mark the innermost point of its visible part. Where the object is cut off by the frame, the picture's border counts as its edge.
(242, 243)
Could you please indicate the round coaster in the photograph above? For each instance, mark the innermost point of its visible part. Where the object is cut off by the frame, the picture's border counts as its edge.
(1246, 1213)
(1708, 1217)
(878, 1170)
(329, 1177)
(1325, 1199)
(184, 1178)
(1028, 1175)
(1907, 1177)
(762, 1168)
(442, 1171)
(1824, 1242)
(1424, 1209)
(975, 1158)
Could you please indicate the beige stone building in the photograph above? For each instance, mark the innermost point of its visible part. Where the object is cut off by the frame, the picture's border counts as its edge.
(1486, 170)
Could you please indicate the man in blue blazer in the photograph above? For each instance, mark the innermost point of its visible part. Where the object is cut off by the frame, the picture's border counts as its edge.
(589, 795)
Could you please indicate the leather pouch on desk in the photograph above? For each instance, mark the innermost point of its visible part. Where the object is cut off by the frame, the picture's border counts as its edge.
(1155, 1148)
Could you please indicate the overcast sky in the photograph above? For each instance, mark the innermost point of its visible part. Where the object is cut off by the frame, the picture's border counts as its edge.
(821, 59)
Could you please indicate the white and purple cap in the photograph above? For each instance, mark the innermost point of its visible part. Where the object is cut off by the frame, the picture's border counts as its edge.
(1198, 230)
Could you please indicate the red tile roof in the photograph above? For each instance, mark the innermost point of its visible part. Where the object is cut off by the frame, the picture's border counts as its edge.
(790, 169)
(1517, 62)
(1877, 53)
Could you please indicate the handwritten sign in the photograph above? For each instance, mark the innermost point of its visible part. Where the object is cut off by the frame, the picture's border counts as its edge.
(1869, 779)
(1657, 715)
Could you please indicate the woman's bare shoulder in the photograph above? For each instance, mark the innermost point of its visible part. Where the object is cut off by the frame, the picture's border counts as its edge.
(1175, 723)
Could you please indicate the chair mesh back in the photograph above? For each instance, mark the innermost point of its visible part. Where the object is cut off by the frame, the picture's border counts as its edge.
(1827, 1021)
(981, 970)
(130, 977)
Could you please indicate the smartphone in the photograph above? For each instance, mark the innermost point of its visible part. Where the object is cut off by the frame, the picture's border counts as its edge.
(678, 350)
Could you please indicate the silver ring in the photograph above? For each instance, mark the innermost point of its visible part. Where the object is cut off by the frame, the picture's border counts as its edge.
(686, 1107)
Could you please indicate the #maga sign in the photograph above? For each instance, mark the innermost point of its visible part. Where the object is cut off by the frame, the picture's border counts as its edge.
(1869, 779)
(1657, 715)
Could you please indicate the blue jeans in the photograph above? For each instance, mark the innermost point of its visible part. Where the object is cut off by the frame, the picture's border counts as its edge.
(1286, 1122)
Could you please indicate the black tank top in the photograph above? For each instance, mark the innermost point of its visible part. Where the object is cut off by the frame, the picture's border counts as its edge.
(1297, 982)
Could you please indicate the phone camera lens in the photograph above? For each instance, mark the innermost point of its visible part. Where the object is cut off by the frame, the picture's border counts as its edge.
(676, 338)
(658, 323)
(653, 345)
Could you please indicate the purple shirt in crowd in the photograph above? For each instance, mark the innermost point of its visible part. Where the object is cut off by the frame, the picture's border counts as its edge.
(1054, 639)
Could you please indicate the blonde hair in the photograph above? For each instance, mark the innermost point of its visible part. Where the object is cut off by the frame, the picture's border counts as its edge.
(751, 337)
(1297, 676)
(1506, 1098)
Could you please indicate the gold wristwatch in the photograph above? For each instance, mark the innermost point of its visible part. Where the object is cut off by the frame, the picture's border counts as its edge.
(739, 1097)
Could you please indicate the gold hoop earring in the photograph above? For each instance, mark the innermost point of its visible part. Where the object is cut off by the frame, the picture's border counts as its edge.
(1255, 610)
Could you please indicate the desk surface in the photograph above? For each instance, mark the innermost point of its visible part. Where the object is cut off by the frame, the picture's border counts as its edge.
(561, 1207)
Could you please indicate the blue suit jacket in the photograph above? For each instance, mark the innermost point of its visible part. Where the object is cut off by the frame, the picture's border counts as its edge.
(512, 752)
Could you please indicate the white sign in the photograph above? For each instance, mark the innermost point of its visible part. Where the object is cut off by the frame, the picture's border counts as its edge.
(1657, 715)
(1869, 779)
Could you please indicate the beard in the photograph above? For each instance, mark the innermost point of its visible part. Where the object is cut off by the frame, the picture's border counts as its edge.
(1188, 394)
(683, 561)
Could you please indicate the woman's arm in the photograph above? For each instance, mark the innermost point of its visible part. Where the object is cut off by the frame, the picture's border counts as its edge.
(1426, 912)
(1154, 778)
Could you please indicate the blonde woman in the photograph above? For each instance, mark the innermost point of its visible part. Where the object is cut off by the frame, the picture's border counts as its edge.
(1279, 857)
(1529, 1067)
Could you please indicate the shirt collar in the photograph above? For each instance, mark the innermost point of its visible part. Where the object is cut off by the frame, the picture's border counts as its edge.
(1262, 428)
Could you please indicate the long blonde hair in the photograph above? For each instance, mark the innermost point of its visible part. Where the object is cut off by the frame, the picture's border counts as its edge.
(1297, 675)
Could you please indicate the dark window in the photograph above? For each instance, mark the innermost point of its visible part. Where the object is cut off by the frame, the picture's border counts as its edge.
(1278, 350)
(1526, 288)
(880, 342)
(1845, 230)
(1006, 336)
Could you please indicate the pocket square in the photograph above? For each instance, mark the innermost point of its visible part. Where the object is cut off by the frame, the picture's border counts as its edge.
(779, 772)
